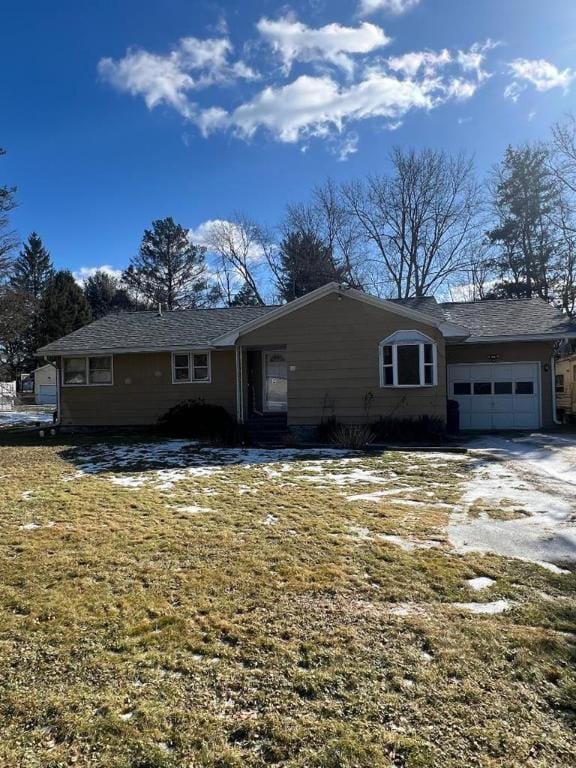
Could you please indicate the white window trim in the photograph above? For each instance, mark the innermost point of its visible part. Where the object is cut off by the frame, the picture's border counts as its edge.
(408, 339)
(87, 383)
(190, 355)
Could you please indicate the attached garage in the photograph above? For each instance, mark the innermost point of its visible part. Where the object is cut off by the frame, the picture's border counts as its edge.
(497, 395)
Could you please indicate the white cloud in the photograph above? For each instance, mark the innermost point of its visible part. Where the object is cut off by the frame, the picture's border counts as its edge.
(539, 73)
(321, 105)
(211, 230)
(167, 79)
(313, 106)
(346, 147)
(395, 7)
(294, 41)
(411, 64)
(82, 274)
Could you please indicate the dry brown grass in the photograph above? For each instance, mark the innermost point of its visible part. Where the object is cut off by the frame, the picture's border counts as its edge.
(137, 633)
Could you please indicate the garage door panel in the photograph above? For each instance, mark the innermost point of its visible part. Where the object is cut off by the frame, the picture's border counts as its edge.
(501, 395)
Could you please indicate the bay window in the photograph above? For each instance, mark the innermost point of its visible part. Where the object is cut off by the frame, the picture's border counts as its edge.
(408, 359)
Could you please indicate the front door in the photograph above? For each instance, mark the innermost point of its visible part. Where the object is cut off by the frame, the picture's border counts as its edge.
(275, 371)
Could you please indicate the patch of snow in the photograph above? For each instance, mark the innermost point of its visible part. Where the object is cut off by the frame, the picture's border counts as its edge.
(480, 583)
(552, 567)
(408, 545)
(192, 509)
(360, 533)
(378, 495)
(498, 606)
(35, 526)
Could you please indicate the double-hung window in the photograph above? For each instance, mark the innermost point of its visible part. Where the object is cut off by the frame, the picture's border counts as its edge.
(191, 367)
(408, 359)
(86, 371)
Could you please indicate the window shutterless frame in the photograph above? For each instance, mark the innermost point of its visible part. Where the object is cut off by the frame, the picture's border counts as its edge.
(408, 339)
(192, 367)
(86, 359)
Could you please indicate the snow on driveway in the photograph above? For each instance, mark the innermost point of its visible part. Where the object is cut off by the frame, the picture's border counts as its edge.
(533, 476)
(10, 418)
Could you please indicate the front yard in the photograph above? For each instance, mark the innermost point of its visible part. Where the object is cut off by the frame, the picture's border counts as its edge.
(165, 605)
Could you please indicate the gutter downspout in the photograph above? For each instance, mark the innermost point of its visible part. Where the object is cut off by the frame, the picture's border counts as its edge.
(553, 376)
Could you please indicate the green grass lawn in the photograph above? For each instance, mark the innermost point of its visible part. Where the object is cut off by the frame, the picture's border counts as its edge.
(179, 609)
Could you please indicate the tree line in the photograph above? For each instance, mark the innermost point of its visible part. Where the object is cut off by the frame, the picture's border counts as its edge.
(426, 226)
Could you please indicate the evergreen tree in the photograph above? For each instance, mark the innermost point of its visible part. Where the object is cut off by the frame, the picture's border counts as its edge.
(63, 308)
(305, 264)
(526, 197)
(246, 297)
(32, 267)
(169, 269)
(105, 294)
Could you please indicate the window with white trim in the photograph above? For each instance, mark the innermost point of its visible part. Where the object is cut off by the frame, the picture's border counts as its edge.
(191, 367)
(408, 359)
(87, 371)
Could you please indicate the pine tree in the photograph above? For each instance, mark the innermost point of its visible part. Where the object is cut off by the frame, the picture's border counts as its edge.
(63, 308)
(104, 294)
(305, 264)
(32, 268)
(169, 269)
(246, 297)
(525, 198)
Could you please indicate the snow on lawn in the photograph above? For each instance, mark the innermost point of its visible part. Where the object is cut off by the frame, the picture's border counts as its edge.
(534, 475)
(14, 418)
(165, 463)
(498, 606)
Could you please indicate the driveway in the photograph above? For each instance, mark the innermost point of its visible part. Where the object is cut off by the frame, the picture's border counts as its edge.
(521, 500)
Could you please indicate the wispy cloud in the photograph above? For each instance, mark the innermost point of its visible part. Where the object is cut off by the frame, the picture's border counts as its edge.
(167, 79)
(333, 43)
(395, 7)
(539, 73)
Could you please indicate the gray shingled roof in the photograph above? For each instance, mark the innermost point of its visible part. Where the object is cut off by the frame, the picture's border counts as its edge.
(151, 331)
(508, 317)
(200, 327)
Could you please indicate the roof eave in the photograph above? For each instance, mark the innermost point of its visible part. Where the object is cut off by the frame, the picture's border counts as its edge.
(556, 336)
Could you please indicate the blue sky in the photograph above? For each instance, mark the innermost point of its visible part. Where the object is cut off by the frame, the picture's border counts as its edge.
(114, 114)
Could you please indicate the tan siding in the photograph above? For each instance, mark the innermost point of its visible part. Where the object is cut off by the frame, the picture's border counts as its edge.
(333, 346)
(513, 352)
(143, 391)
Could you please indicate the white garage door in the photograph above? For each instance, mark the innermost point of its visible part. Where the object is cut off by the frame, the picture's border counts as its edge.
(46, 394)
(496, 395)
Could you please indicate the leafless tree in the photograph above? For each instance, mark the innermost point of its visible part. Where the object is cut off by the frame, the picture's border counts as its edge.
(243, 252)
(421, 221)
(328, 218)
(563, 152)
(8, 239)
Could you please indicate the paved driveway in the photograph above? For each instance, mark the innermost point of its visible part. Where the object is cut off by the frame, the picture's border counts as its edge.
(521, 501)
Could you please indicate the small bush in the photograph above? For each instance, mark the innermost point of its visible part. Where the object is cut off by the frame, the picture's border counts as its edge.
(200, 420)
(325, 430)
(356, 436)
(422, 429)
